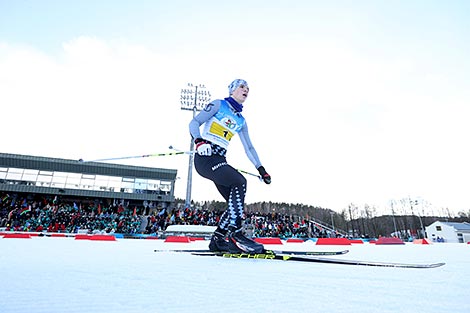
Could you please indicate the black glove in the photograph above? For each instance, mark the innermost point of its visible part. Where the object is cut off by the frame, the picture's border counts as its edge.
(264, 175)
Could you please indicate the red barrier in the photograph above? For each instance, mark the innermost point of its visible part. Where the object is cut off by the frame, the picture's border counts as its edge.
(151, 237)
(103, 237)
(196, 238)
(359, 241)
(333, 241)
(82, 237)
(422, 242)
(269, 241)
(16, 235)
(183, 239)
(57, 235)
(295, 240)
(389, 241)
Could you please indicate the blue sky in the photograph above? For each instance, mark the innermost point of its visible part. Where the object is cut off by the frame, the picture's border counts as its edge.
(359, 102)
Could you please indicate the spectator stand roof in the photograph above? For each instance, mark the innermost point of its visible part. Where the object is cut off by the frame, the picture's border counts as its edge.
(89, 168)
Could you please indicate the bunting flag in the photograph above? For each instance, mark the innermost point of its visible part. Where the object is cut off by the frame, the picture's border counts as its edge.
(5, 197)
(135, 211)
(25, 210)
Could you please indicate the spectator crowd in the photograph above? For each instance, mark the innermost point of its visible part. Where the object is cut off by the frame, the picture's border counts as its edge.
(41, 213)
(37, 213)
(262, 225)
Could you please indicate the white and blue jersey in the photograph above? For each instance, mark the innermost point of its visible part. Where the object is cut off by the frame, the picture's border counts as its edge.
(221, 123)
(221, 127)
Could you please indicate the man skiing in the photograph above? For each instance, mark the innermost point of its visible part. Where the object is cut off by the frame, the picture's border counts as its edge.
(221, 120)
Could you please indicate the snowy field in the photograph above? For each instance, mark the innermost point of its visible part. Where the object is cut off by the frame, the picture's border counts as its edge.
(44, 274)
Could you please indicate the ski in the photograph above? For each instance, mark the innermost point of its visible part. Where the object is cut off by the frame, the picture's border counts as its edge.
(305, 253)
(315, 259)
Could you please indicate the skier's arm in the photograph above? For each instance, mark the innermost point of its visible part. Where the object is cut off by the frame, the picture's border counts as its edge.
(252, 155)
(248, 146)
(203, 117)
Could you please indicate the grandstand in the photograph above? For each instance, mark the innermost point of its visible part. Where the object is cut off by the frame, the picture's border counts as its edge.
(40, 194)
(72, 178)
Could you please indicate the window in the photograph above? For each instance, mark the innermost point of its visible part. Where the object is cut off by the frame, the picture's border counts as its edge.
(14, 173)
(438, 228)
(153, 184)
(3, 172)
(73, 180)
(87, 181)
(114, 183)
(60, 179)
(30, 175)
(101, 182)
(140, 185)
(165, 187)
(127, 184)
(45, 177)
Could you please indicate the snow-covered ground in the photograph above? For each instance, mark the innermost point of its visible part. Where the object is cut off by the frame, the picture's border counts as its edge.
(45, 274)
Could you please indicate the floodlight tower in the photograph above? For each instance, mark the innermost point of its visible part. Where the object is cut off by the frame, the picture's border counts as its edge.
(193, 98)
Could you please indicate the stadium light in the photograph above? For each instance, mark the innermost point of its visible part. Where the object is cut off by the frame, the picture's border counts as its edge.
(193, 98)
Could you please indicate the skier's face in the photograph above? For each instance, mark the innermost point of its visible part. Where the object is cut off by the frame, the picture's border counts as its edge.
(241, 93)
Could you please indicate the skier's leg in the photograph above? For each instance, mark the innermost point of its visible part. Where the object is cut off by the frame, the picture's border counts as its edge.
(232, 186)
(231, 220)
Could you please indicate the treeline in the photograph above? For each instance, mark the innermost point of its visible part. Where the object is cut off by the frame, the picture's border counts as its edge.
(353, 221)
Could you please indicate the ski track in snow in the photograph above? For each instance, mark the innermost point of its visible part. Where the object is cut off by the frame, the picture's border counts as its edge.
(49, 275)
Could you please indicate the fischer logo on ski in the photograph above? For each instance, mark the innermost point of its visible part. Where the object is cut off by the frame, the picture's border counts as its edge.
(315, 259)
(264, 256)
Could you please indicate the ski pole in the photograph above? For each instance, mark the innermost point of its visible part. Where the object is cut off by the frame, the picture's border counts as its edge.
(248, 173)
(241, 171)
(140, 156)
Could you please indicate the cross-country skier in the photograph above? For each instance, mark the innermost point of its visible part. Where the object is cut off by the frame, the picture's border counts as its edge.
(221, 120)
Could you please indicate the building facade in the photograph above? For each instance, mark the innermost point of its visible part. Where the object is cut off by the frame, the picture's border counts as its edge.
(449, 232)
(73, 178)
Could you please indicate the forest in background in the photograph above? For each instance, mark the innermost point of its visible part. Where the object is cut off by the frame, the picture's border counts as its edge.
(407, 217)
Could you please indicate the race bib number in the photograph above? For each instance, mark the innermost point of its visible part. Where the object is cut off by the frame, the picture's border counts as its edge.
(220, 131)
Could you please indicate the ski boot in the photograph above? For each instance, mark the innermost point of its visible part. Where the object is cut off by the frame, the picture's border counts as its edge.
(218, 242)
(238, 243)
